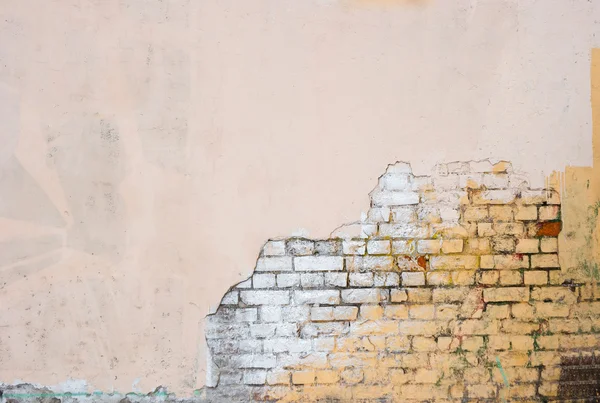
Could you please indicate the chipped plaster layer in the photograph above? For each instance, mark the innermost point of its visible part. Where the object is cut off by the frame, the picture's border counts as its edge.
(450, 283)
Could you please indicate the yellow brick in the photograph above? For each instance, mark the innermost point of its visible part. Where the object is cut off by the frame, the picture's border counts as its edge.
(563, 325)
(421, 327)
(548, 389)
(511, 277)
(457, 391)
(520, 391)
(398, 343)
(536, 277)
(502, 213)
(548, 260)
(371, 312)
(545, 358)
(421, 311)
(485, 229)
(396, 311)
(452, 246)
(419, 392)
(549, 245)
(416, 360)
(556, 277)
(528, 246)
(303, 377)
(547, 342)
(445, 343)
(378, 375)
(501, 244)
(400, 376)
(510, 358)
(519, 327)
(454, 262)
(579, 341)
(424, 344)
(419, 295)
(477, 246)
(521, 343)
(585, 309)
(478, 374)
(446, 311)
(551, 310)
(501, 342)
(548, 213)
(352, 376)
(472, 343)
(516, 374)
(551, 373)
(506, 294)
(327, 377)
(452, 294)
(424, 375)
(489, 277)
(476, 214)
(514, 228)
(278, 377)
(463, 277)
(522, 311)
(497, 311)
(370, 328)
(526, 213)
(481, 391)
(475, 326)
(439, 278)
(399, 296)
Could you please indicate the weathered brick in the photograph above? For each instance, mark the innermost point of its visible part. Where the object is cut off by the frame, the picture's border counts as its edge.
(300, 247)
(477, 246)
(439, 278)
(547, 229)
(288, 280)
(371, 312)
(506, 294)
(327, 377)
(283, 263)
(423, 328)
(399, 295)
(494, 196)
(476, 327)
(336, 279)
(472, 343)
(396, 311)
(386, 279)
(497, 311)
(379, 247)
(327, 297)
(404, 230)
(318, 263)
(413, 279)
(453, 294)
(419, 295)
(328, 247)
(370, 263)
(522, 311)
(502, 213)
(364, 296)
(544, 261)
(372, 328)
(424, 344)
(259, 361)
(429, 246)
(391, 198)
(504, 262)
(549, 245)
(540, 197)
(503, 244)
(552, 310)
(278, 377)
(354, 247)
(488, 277)
(321, 314)
(312, 280)
(303, 377)
(527, 246)
(266, 280)
(270, 313)
(452, 246)
(231, 298)
(397, 343)
(421, 311)
(511, 277)
(548, 213)
(265, 297)
(454, 262)
(402, 247)
(556, 294)
(345, 312)
(256, 377)
(526, 213)
(522, 343)
(536, 277)
(360, 279)
(274, 248)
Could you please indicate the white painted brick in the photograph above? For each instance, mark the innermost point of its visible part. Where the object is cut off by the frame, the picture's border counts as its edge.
(324, 344)
(361, 279)
(286, 330)
(386, 279)
(319, 263)
(300, 247)
(283, 263)
(255, 377)
(327, 297)
(370, 263)
(378, 214)
(495, 197)
(422, 183)
(345, 312)
(231, 298)
(540, 197)
(470, 180)
(404, 214)
(274, 248)
(246, 315)
(336, 279)
(278, 377)
(353, 247)
(481, 166)
(404, 230)
(413, 278)
(379, 247)
(312, 280)
(286, 280)
(295, 313)
(262, 330)
(404, 247)
(328, 247)
(395, 181)
(265, 297)
(256, 360)
(363, 296)
(448, 182)
(270, 313)
(399, 168)
(285, 345)
(383, 198)
(321, 314)
(448, 213)
(263, 280)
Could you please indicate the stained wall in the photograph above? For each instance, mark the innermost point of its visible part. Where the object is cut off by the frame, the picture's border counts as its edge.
(149, 150)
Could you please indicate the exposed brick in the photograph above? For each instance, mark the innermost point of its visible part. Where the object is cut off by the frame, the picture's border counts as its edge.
(429, 246)
(511, 277)
(360, 279)
(536, 277)
(303, 377)
(371, 312)
(318, 263)
(502, 213)
(300, 247)
(528, 246)
(386, 279)
(263, 280)
(336, 279)
(345, 312)
(363, 296)
(327, 297)
(526, 213)
(265, 297)
(274, 248)
(354, 247)
(379, 247)
(396, 311)
(421, 311)
(549, 245)
(399, 295)
(287, 280)
(419, 295)
(370, 263)
(454, 262)
(506, 294)
(549, 213)
(283, 263)
(413, 279)
(544, 261)
(452, 246)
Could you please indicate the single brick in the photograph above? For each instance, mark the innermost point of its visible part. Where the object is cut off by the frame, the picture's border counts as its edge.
(369, 263)
(507, 228)
(283, 263)
(429, 246)
(511, 277)
(354, 247)
(476, 214)
(401, 247)
(453, 294)
(504, 262)
(419, 295)
(522, 311)
(326, 344)
(536, 277)
(488, 277)
(503, 244)
(549, 213)
(383, 198)
(558, 294)
(287, 280)
(404, 230)
(502, 213)
(494, 196)
(378, 214)
(404, 214)
(231, 298)
(278, 377)
(321, 314)
(527, 246)
(522, 343)
(300, 247)
(540, 197)
(552, 310)
(363, 296)
(327, 377)
(318, 263)
(396, 311)
(548, 229)
(246, 315)
(439, 278)
(265, 297)
(452, 246)
(327, 297)
(303, 377)
(454, 262)
(485, 229)
(336, 279)
(371, 312)
(245, 284)
(413, 278)
(256, 377)
(360, 279)
(386, 279)
(312, 280)
(472, 343)
(399, 296)
(425, 312)
(506, 294)
(264, 361)
(374, 328)
(395, 181)
(328, 247)
(424, 344)
(266, 280)
(345, 312)
(549, 245)
(526, 213)
(497, 311)
(274, 248)
(379, 247)
(544, 261)
(477, 246)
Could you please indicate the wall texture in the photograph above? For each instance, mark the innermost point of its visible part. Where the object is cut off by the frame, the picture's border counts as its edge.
(451, 290)
(149, 148)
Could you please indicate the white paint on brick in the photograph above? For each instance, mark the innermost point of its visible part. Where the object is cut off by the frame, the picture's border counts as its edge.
(319, 263)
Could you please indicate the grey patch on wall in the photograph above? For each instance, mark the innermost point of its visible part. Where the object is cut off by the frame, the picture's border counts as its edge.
(87, 155)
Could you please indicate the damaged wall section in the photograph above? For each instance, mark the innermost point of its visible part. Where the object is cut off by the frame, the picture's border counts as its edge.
(451, 283)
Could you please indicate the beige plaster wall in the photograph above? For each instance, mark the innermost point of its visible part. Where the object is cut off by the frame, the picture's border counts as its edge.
(149, 148)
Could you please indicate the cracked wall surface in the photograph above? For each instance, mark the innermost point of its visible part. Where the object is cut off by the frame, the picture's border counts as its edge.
(450, 289)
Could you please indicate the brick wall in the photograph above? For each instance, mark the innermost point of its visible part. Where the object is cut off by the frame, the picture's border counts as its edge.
(450, 289)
